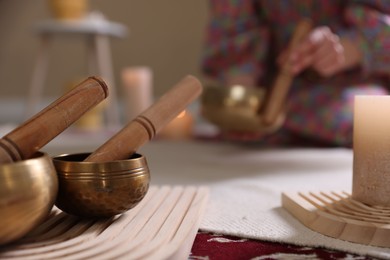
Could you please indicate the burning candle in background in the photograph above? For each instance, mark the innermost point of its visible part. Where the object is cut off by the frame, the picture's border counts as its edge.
(371, 147)
(179, 128)
(137, 84)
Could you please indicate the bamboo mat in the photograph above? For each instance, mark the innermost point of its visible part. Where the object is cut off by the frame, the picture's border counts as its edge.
(162, 226)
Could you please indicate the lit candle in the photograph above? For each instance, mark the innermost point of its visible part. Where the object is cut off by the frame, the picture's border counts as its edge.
(371, 146)
(179, 128)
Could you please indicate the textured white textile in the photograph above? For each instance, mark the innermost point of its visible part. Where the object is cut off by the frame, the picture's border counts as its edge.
(246, 185)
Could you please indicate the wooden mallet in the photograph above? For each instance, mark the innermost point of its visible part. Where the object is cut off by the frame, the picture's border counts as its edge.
(283, 80)
(145, 126)
(25, 140)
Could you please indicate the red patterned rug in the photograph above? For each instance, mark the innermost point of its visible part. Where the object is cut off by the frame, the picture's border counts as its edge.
(221, 247)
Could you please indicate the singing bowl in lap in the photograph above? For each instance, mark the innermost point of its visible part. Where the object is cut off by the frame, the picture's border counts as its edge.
(237, 108)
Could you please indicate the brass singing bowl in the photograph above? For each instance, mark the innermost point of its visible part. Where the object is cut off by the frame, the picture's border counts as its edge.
(27, 193)
(236, 108)
(90, 189)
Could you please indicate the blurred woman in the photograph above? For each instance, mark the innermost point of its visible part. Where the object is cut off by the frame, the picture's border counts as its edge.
(347, 53)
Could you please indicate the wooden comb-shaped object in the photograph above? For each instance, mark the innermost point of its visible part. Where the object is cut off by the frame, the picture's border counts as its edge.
(162, 226)
(337, 215)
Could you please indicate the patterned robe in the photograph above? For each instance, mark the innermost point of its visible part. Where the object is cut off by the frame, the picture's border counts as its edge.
(246, 37)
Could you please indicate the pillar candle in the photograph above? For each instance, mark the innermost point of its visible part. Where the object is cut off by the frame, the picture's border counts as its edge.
(371, 150)
(137, 84)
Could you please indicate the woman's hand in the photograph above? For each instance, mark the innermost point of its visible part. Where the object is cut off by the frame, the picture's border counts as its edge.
(324, 52)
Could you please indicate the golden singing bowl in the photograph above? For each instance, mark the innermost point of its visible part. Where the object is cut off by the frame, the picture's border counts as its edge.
(90, 189)
(27, 193)
(236, 108)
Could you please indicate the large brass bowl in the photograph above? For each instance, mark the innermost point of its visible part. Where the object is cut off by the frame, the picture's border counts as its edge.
(90, 189)
(27, 193)
(236, 108)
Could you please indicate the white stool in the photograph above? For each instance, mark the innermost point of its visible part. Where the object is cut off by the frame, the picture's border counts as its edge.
(98, 31)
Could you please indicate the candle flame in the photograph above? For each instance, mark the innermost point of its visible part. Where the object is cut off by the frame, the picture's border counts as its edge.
(182, 114)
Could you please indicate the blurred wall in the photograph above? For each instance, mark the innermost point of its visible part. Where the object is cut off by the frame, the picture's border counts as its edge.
(165, 35)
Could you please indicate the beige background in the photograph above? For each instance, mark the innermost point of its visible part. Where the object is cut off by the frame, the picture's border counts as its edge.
(165, 35)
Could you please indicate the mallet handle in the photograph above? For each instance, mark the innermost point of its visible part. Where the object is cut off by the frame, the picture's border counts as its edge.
(25, 140)
(284, 78)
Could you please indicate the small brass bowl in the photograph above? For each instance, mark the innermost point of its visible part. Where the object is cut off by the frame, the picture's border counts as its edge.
(236, 108)
(28, 190)
(89, 189)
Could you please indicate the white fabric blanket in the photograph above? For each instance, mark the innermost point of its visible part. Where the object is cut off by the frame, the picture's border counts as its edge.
(246, 185)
